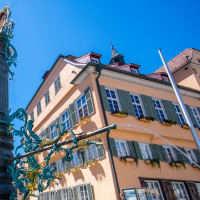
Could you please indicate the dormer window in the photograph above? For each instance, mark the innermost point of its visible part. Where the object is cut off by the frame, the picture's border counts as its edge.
(134, 71)
(165, 79)
(94, 60)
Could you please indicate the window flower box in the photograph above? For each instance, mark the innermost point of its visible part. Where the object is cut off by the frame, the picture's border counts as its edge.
(90, 163)
(185, 126)
(145, 119)
(74, 168)
(147, 161)
(82, 120)
(59, 174)
(177, 163)
(153, 162)
(194, 166)
(167, 122)
(126, 159)
(119, 113)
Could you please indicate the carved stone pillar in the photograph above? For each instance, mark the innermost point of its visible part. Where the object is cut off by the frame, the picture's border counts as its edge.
(6, 146)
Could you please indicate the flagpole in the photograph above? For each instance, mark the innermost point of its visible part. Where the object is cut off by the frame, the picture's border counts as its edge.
(183, 107)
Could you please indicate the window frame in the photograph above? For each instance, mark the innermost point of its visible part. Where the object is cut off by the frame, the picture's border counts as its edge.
(172, 152)
(87, 153)
(50, 130)
(193, 154)
(59, 161)
(148, 148)
(56, 82)
(47, 97)
(63, 113)
(42, 196)
(96, 59)
(166, 79)
(133, 69)
(43, 132)
(62, 195)
(198, 187)
(181, 112)
(162, 108)
(71, 163)
(32, 116)
(180, 190)
(39, 108)
(125, 145)
(54, 194)
(198, 114)
(79, 191)
(117, 97)
(141, 103)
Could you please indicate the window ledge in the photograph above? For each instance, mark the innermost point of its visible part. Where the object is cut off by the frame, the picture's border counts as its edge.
(83, 121)
(47, 103)
(167, 122)
(58, 90)
(194, 166)
(185, 126)
(145, 119)
(119, 113)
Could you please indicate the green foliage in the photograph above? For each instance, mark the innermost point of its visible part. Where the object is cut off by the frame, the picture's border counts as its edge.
(174, 162)
(155, 161)
(82, 118)
(89, 162)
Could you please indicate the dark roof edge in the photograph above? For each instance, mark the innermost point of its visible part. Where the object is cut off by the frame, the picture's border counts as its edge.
(134, 75)
(60, 56)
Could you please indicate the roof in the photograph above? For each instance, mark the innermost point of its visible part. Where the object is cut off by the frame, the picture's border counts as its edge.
(177, 62)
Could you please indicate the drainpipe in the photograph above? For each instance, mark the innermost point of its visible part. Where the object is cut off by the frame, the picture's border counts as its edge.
(98, 69)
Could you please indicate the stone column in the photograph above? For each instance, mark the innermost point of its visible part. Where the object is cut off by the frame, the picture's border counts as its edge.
(6, 146)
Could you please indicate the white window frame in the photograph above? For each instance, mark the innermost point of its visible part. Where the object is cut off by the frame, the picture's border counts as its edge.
(42, 195)
(162, 108)
(65, 119)
(193, 154)
(56, 81)
(140, 104)
(117, 97)
(32, 116)
(71, 163)
(54, 195)
(79, 191)
(195, 116)
(57, 165)
(47, 97)
(42, 134)
(64, 189)
(155, 189)
(164, 78)
(77, 109)
(50, 132)
(148, 148)
(39, 109)
(93, 155)
(125, 145)
(95, 59)
(179, 112)
(180, 190)
(172, 152)
(134, 71)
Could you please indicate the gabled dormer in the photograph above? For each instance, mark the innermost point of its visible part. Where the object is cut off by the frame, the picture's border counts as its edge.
(116, 57)
(89, 57)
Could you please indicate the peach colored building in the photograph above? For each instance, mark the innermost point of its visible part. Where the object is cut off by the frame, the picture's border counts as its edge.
(132, 163)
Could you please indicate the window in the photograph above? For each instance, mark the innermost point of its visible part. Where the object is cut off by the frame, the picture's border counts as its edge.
(32, 116)
(39, 108)
(46, 97)
(190, 154)
(135, 71)
(169, 154)
(179, 114)
(137, 105)
(198, 187)
(122, 149)
(42, 134)
(94, 60)
(154, 190)
(52, 131)
(59, 166)
(83, 192)
(194, 70)
(180, 191)
(57, 84)
(112, 100)
(91, 152)
(53, 195)
(75, 161)
(82, 107)
(165, 79)
(66, 194)
(65, 119)
(159, 109)
(145, 150)
(196, 115)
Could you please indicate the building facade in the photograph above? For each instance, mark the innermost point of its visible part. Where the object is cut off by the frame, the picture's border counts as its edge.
(132, 163)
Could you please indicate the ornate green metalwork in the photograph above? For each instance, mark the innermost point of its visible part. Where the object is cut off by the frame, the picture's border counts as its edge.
(28, 175)
(6, 28)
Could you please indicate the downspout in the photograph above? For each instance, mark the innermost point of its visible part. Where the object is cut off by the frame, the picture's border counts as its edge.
(98, 69)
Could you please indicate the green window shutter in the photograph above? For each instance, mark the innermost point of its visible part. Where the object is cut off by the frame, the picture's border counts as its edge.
(52, 165)
(122, 99)
(113, 147)
(100, 150)
(186, 160)
(137, 149)
(38, 197)
(46, 196)
(47, 135)
(59, 195)
(70, 118)
(83, 156)
(58, 129)
(75, 193)
(132, 149)
(89, 101)
(104, 98)
(73, 114)
(69, 193)
(196, 151)
(149, 106)
(191, 115)
(89, 190)
(169, 108)
(179, 155)
(162, 153)
(130, 104)
(155, 151)
(80, 158)
(66, 164)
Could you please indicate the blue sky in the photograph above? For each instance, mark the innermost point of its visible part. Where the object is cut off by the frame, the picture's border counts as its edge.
(137, 29)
